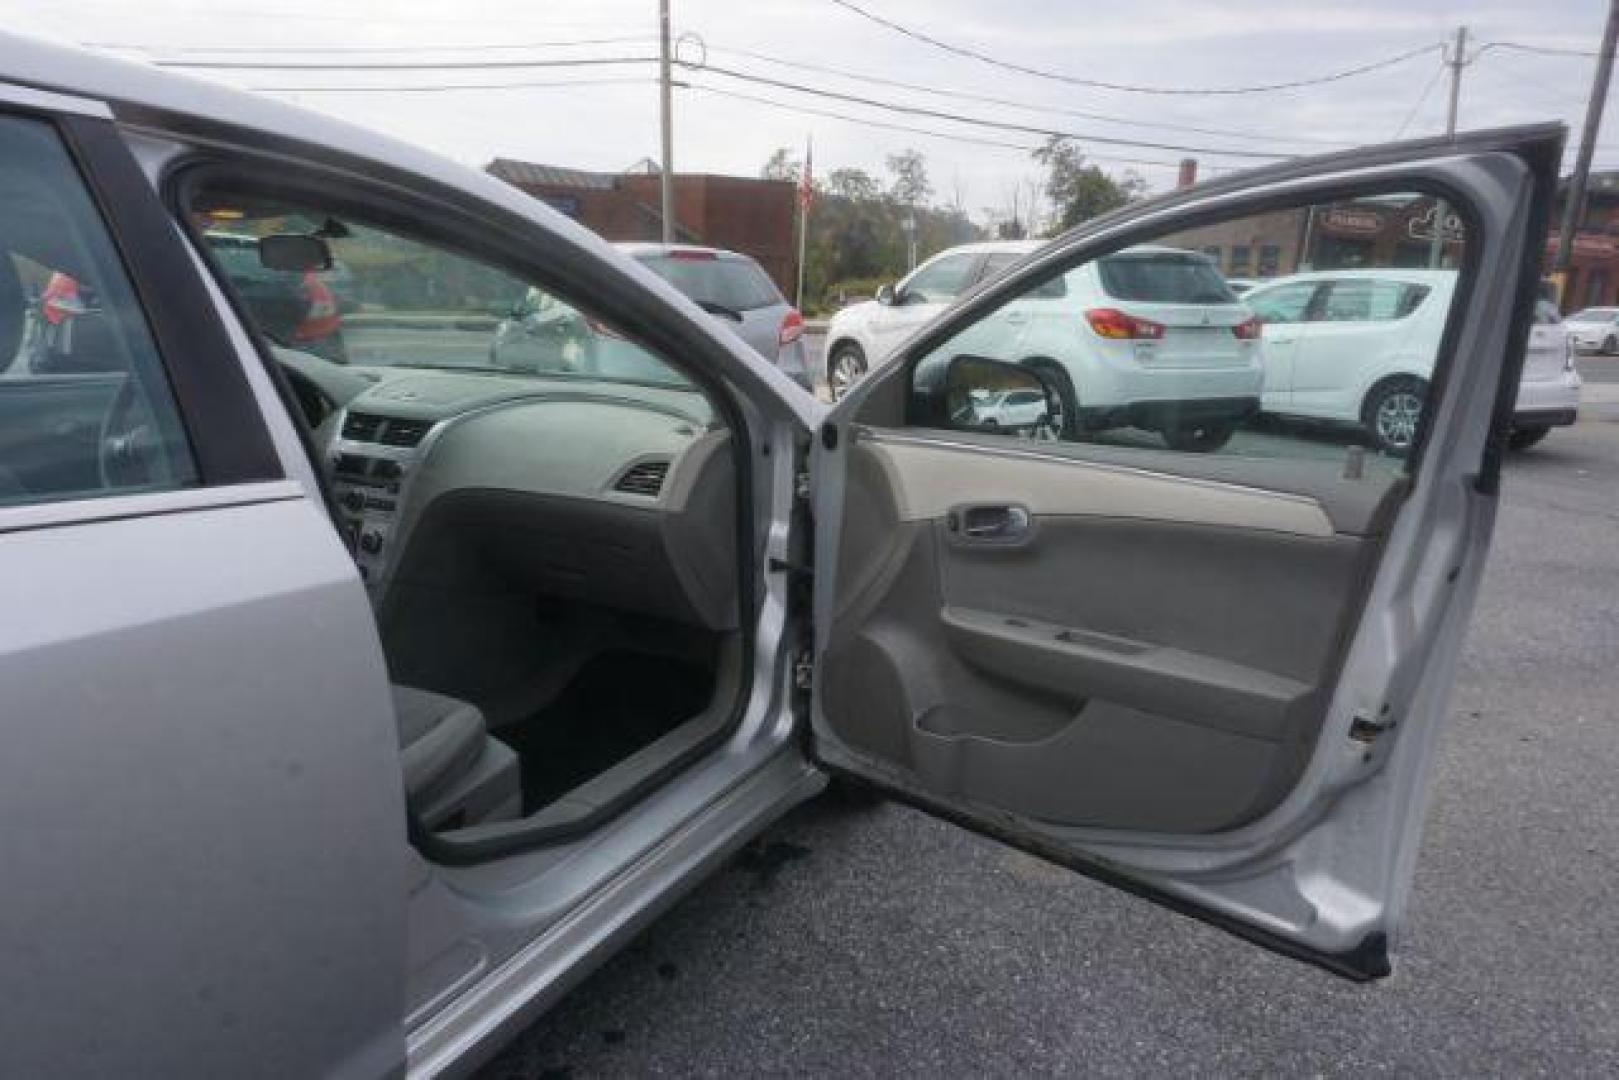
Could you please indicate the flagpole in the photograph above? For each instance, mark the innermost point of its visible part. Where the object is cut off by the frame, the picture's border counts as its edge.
(803, 219)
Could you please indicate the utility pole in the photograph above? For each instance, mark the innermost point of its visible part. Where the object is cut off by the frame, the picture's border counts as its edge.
(1574, 208)
(1457, 60)
(668, 179)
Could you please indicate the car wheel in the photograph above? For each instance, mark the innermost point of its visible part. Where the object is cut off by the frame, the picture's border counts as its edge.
(846, 367)
(1393, 410)
(1525, 437)
(1199, 438)
(1610, 345)
(1065, 424)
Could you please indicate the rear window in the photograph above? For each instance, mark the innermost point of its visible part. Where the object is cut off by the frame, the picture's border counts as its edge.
(1165, 278)
(738, 284)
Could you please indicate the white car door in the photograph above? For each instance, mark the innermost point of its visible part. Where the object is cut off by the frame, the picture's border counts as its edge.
(1284, 311)
(919, 298)
(1361, 327)
(1214, 680)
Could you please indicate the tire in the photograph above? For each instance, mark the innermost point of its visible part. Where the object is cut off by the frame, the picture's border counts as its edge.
(1393, 412)
(1610, 345)
(1204, 438)
(1525, 437)
(1067, 422)
(845, 366)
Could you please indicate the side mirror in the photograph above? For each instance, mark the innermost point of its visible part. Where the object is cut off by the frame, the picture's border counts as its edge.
(294, 252)
(886, 295)
(993, 396)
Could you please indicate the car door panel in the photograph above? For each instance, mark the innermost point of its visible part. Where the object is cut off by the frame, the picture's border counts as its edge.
(988, 654)
(1209, 681)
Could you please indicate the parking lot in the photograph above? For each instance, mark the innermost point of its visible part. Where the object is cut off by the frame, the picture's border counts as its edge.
(869, 942)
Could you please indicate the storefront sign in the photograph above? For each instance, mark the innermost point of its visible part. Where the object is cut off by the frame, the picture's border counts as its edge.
(1351, 221)
(1421, 226)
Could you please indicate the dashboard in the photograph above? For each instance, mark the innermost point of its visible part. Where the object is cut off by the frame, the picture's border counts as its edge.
(618, 494)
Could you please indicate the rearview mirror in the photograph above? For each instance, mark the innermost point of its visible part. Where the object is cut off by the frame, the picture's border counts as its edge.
(294, 253)
(998, 397)
(886, 294)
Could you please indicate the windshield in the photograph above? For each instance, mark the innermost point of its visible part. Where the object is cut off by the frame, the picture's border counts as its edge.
(1594, 314)
(733, 283)
(390, 300)
(1164, 277)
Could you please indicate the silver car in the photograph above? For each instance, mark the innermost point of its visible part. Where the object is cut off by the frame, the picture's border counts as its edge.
(356, 709)
(729, 286)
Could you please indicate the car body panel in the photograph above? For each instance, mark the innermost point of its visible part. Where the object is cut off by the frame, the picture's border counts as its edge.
(1319, 869)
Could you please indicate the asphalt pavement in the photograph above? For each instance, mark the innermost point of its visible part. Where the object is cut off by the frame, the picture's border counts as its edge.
(870, 942)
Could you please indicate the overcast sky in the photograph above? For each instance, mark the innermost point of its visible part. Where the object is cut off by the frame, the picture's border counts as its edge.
(605, 116)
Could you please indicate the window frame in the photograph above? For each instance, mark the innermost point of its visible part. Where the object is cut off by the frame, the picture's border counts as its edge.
(199, 368)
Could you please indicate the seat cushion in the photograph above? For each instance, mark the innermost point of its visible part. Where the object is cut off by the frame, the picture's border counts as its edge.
(440, 740)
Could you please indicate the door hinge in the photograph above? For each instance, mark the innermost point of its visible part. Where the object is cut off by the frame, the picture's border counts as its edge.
(804, 670)
(1365, 729)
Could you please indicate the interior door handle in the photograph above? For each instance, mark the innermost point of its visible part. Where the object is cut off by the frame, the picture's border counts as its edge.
(991, 523)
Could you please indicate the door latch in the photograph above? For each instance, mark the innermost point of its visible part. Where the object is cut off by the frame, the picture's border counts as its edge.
(804, 670)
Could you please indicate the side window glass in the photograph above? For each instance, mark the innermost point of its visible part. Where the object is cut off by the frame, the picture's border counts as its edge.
(85, 406)
(1149, 350)
(939, 283)
(1281, 303)
(372, 298)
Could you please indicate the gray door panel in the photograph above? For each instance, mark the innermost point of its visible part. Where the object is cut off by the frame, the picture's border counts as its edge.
(206, 861)
(1106, 672)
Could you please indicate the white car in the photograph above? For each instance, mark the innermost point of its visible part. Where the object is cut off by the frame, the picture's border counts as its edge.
(862, 335)
(1358, 347)
(1011, 410)
(1595, 330)
(1149, 337)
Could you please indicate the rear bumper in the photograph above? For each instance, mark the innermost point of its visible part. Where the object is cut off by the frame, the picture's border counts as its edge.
(1156, 415)
(1551, 402)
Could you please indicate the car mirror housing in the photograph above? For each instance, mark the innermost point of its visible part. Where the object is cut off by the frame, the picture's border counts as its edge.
(295, 253)
(974, 393)
(886, 294)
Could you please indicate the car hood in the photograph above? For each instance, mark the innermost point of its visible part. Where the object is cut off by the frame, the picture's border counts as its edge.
(855, 312)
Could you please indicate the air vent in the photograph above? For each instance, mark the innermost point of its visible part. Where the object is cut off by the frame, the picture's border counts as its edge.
(362, 427)
(401, 432)
(643, 478)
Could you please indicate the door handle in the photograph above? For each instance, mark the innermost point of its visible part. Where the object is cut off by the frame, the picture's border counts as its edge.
(990, 523)
(1281, 340)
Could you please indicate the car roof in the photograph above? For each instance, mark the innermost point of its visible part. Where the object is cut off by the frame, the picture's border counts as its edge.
(1411, 276)
(639, 248)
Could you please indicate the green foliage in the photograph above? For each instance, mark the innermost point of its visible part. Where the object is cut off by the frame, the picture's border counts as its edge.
(1079, 192)
(855, 240)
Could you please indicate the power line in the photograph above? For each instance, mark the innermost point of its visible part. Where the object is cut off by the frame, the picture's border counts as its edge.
(939, 114)
(433, 88)
(406, 65)
(944, 135)
(1422, 99)
(273, 50)
(1100, 84)
(1055, 110)
(1541, 50)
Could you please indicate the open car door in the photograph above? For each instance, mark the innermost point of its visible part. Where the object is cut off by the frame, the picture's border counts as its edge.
(1192, 651)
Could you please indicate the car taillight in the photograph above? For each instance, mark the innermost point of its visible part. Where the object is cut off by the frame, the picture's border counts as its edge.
(792, 327)
(602, 329)
(1113, 323)
(1248, 329)
(60, 299)
(321, 320)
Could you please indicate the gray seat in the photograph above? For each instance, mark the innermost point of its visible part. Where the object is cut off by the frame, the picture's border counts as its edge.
(455, 774)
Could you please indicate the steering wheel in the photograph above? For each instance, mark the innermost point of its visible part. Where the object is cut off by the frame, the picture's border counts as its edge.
(130, 453)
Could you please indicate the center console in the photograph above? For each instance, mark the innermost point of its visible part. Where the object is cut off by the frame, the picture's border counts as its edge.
(371, 462)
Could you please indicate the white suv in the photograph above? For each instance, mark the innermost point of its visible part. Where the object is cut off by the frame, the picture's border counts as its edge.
(1358, 347)
(1150, 337)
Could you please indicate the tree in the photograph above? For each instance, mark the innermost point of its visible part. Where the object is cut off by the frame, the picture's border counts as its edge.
(854, 184)
(1079, 192)
(910, 186)
(781, 166)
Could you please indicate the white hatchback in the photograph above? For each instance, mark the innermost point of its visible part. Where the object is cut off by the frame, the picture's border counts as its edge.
(1358, 347)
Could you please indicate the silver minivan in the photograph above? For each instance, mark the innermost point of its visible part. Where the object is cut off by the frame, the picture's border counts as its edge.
(357, 707)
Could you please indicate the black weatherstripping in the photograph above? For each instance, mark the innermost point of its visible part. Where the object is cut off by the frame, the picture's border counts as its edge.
(227, 432)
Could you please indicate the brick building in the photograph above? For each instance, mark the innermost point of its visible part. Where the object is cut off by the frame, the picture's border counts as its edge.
(1592, 279)
(756, 217)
